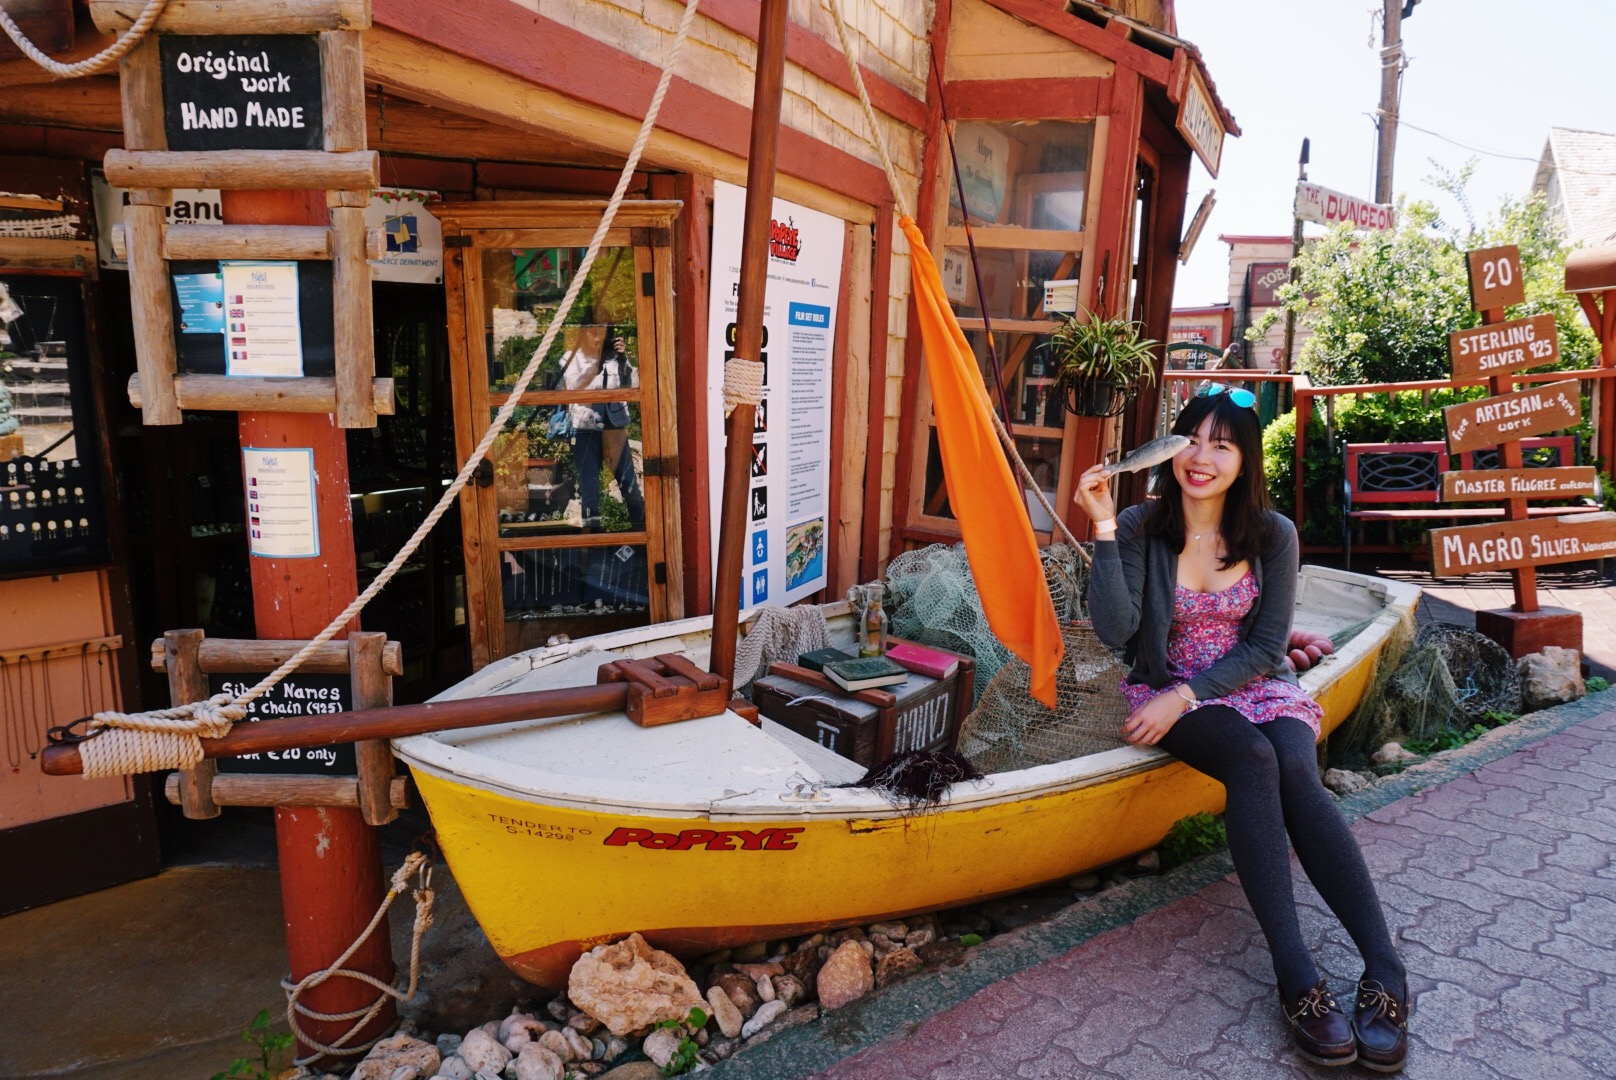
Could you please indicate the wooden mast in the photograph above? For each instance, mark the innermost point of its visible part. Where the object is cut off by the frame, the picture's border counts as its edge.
(766, 96)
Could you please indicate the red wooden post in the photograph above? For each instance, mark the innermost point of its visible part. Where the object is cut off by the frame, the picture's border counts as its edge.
(330, 860)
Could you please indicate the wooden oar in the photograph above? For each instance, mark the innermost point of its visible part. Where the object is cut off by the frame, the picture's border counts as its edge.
(389, 723)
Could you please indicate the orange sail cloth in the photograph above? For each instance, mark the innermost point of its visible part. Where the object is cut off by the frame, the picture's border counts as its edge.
(986, 500)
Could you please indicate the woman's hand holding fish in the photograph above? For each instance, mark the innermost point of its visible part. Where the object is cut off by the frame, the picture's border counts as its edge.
(1094, 494)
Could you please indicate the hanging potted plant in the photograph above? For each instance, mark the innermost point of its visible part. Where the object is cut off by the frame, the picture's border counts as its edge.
(1101, 363)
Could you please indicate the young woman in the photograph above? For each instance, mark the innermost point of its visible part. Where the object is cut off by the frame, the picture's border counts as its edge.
(1198, 588)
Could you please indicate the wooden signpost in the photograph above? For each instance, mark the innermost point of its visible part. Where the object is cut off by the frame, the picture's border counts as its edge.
(1521, 543)
(282, 133)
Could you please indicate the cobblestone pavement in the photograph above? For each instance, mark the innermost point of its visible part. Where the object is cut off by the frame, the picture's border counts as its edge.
(1499, 885)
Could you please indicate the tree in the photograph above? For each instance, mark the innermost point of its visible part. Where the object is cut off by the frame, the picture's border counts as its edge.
(1381, 304)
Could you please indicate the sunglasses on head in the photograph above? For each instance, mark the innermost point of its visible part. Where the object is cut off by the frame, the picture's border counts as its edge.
(1243, 398)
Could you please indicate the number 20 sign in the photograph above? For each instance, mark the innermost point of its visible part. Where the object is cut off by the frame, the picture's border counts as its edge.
(1495, 278)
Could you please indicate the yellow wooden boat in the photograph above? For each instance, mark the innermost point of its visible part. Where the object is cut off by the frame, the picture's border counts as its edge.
(565, 833)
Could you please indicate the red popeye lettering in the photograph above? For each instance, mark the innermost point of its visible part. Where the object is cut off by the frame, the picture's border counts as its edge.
(707, 839)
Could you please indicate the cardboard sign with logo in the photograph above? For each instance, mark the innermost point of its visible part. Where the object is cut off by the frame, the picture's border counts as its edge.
(1475, 425)
(1506, 545)
(1500, 348)
(242, 92)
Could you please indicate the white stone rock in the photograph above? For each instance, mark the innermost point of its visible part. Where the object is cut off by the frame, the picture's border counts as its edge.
(448, 1044)
(482, 1053)
(557, 1044)
(846, 976)
(454, 1067)
(537, 1063)
(724, 1011)
(406, 1072)
(1344, 781)
(916, 938)
(762, 1018)
(1392, 752)
(661, 1045)
(765, 988)
(582, 1049)
(1550, 677)
(629, 986)
(507, 1025)
(399, 1052)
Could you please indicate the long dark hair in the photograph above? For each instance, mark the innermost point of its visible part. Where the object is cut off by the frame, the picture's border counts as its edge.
(1245, 508)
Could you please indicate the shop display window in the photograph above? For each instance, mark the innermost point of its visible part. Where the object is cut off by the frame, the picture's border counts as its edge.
(52, 515)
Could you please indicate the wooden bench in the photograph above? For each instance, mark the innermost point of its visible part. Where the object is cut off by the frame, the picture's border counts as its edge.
(1383, 478)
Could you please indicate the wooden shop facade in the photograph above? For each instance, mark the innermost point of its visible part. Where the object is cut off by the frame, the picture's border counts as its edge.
(500, 133)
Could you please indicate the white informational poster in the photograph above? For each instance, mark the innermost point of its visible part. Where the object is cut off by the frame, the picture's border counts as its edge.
(788, 497)
(414, 236)
(282, 521)
(262, 333)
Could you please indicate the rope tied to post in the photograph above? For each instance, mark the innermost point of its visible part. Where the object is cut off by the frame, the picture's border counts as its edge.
(743, 383)
(118, 743)
(416, 864)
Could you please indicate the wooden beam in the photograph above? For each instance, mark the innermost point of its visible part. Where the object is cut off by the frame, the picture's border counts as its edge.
(257, 656)
(47, 253)
(227, 393)
(1029, 99)
(236, 17)
(249, 242)
(48, 24)
(246, 789)
(1112, 46)
(245, 170)
(91, 103)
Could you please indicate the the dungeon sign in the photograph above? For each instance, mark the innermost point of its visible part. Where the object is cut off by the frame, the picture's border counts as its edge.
(298, 694)
(242, 92)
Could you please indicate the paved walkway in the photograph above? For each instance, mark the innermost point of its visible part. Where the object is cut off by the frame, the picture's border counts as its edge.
(1498, 883)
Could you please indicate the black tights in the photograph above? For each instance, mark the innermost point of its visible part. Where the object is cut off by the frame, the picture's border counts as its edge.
(1271, 774)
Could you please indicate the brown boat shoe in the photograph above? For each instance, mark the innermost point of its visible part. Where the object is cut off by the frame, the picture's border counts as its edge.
(1322, 1032)
(1380, 1026)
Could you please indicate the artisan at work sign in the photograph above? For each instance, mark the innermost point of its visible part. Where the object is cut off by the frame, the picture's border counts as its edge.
(1500, 348)
(298, 694)
(1571, 482)
(1475, 425)
(242, 92)
(1469, 549)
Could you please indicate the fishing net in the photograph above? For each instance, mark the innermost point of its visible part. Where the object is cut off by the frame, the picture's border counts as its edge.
(1010, 729)
(1443, 678)
(777, 634)
(933, 600)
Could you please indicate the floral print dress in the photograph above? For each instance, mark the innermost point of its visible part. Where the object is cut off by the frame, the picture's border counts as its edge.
(1205, 627)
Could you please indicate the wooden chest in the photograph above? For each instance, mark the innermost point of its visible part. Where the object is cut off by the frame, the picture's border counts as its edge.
(868, 726)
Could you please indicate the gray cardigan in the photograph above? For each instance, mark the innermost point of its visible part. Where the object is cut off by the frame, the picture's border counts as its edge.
(1132, 594)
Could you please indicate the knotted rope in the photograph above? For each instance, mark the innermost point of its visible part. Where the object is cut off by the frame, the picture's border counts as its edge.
(416, 863)
(902, 204)
(173, 746)
(743, 383)
(105, 58)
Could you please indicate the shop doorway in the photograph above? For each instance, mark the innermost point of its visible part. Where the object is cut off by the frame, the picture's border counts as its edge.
(571, 528)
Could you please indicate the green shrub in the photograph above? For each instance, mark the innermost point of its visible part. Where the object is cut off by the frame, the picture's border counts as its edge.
(1192, 836)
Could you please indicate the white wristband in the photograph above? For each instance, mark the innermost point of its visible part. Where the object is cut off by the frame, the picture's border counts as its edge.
(1106, 525)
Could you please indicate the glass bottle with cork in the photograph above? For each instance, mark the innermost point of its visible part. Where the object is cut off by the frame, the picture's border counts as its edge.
(872, 638)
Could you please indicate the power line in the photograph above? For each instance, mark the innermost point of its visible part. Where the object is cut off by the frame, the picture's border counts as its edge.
(1499, 153)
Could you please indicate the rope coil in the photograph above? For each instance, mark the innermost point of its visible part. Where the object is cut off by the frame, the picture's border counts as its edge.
(743, 383)
(416, 864)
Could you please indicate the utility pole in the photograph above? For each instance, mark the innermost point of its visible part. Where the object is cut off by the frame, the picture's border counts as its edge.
(1296, 250)
(1391, 85)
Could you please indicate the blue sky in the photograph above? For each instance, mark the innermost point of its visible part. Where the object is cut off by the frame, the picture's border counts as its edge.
(1489, 73)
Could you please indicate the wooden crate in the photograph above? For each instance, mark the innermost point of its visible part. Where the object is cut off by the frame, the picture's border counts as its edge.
(868, 726)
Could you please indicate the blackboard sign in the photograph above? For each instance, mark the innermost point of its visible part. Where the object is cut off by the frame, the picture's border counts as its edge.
(242, 92)
(295, 695)
(200, 346)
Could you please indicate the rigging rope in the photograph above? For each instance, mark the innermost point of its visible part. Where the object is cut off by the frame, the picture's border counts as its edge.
(105, 58)
(168, 739)
(879, 143)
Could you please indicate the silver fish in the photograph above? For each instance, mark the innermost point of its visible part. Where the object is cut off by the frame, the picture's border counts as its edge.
(1153, 452)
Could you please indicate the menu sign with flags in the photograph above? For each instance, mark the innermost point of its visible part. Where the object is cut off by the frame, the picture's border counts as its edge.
(1506, 545)
(1475, 425)
(1500, 348)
